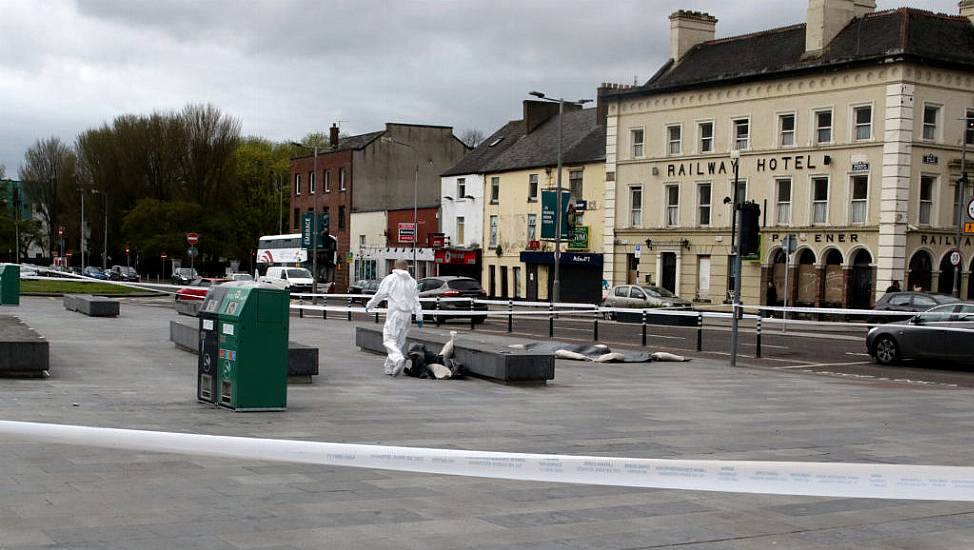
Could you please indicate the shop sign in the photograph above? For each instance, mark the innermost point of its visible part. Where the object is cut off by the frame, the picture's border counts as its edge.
(860, 166)
(581, 205)
(930, 158)
(407, 232)
(436, 240)
(822, 237)
(580, 238)
(448, 256)
(534, 245)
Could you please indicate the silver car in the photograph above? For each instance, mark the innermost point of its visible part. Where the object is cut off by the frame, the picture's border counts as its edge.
(643, 297)
(932, 334)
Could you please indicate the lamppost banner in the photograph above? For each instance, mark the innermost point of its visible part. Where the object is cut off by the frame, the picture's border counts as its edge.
(549, 205)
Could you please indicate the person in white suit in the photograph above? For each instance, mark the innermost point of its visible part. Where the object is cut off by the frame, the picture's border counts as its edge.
(398, 289)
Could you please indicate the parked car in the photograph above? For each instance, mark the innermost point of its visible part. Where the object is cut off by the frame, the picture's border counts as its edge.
(123, 273)
(926, 336)
(27, 271)
(909, 302)
(365, 287)
(184, 276)
(198, 289)
(295, 279)
(452, 287)
(93, 272)
(644, 297)
(241, 277)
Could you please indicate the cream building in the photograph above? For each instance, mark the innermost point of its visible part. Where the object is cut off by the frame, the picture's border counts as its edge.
(849, 132)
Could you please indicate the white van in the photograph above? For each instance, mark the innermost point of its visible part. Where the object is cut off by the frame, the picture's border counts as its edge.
(295, 279)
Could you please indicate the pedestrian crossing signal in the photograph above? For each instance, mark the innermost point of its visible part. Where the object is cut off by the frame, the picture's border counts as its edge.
(750, 229)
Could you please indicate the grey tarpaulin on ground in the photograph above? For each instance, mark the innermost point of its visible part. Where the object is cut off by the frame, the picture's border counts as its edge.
(887, 481)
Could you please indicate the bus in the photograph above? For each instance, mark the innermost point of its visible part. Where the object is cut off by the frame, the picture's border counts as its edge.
(283, 250)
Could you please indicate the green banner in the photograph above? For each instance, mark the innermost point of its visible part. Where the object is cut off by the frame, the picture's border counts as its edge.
(308, 229)
(549, 205)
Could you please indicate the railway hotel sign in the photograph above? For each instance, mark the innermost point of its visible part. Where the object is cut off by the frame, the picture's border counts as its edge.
(760, 164)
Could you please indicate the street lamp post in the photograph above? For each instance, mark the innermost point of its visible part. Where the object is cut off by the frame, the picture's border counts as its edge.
(82, 230)
(314, 221)
(104, 256)
(387, 139)
(961, 184)
(735, 249)
(556, 283)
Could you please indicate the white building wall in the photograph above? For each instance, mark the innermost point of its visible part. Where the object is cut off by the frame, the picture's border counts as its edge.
(471, 210)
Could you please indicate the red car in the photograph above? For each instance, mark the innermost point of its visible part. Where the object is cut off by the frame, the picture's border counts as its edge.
(197, 290)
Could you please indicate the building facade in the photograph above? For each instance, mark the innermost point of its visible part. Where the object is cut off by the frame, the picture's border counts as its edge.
(849, 134)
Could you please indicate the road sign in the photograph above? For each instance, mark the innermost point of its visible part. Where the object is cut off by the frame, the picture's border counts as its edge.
(163, 256)
(639, 251)
(969, 227)
(970, 209)
(407, 232)
(955, 258)
(790, 243)
(192, 238)
(193, 252)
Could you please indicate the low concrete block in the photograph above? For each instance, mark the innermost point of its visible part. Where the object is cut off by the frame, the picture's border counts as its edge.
(187, 307)
(486, 359)
(92, 306)
(185, 336)
(23, 352)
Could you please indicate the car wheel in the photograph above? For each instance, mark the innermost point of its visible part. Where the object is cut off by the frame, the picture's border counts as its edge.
(886, 350)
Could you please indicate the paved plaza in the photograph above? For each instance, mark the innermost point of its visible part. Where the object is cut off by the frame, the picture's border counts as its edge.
(124, 372)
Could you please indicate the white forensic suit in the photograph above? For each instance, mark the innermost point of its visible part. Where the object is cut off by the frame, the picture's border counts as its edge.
(399, 290)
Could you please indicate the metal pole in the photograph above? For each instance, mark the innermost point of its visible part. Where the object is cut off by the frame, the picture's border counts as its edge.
(784, 314)
(556, 284)
(644, 328)
(104, 258)
(314, 233)
(510, 316)
(82, 229)
(700, 331)
(757, 343)
(280, 211)
(17, 225)
(961, 183)
(737, 273)
(415, 219)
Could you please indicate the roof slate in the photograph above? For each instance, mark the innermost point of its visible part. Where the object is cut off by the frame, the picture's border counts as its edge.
(475, 160)
(917, 34)
(349, 143)
(580, 143)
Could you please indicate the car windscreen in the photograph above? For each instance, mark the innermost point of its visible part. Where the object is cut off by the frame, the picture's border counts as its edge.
(298, 274)
(464, 284)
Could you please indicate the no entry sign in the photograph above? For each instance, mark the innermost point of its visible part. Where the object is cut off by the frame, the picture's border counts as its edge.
(192, 238)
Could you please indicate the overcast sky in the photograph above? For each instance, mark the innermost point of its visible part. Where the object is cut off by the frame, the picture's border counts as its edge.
(288, 67)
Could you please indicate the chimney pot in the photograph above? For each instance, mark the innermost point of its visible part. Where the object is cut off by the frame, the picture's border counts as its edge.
(333, 135)
(689, 28)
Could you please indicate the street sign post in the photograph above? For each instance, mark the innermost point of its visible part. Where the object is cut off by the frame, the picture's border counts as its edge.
(639, 251)
(407, 232)
(955, 258)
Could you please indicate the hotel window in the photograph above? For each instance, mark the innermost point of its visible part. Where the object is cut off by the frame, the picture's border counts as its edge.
(532, 187)
(297, 184)
(532, 227)
(636, 206)
(863, 118)
(460, 231)
(786, 130)
(672, 205)
(706, 131)
(823, 126)
(493, 231)
(461, 188)
(341, 217)
(312, 183)
(860, 190)
(703, 204)
(575, 185)
(931, 115)
(636, 140)
(820, 199)
(742, 133)
(495, 189)
(740, 193)
(969, 126)
(327, 181)
(674, 138)
(341, 179)
(783, 189)
(926, 199)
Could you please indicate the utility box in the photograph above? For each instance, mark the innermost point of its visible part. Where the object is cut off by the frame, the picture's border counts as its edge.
(249, 335)
(10, 285)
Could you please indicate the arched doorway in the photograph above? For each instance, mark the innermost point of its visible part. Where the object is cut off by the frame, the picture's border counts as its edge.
(946, 282)
(833, 285)
(921, 267)
(807, 278)
(861, 280)
(668, 277)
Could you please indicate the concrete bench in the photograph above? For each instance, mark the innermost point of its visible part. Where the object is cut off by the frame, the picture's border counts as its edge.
(92, 306)
(302, 360)
(23, 352)
(485, 357)
(188, 307)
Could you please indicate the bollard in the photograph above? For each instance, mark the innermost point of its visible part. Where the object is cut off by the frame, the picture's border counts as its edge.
(757, 344)
(324, 313)
(644, 328)
(349, 309)
(510, 316)
(551, 320)
(700, 332)
(301, 308)
(595, 326)
(471, 315)
(436, 318)
(377, 317)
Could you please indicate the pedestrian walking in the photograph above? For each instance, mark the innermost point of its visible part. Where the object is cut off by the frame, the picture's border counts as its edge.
(398, 289)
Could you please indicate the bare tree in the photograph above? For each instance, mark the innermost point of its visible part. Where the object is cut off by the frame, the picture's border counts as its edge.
(472, 137)
(3, 172)
(48, 173)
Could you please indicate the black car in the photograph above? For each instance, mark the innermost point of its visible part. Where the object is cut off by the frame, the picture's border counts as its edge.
(123, 273)
(448, 288)
(908, 302)
(184, 276)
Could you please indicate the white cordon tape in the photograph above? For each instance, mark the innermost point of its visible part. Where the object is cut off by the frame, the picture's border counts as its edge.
(887, 481)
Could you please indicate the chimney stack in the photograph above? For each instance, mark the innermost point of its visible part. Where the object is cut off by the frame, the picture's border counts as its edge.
(689, 28)
(537, 113)
(826, 18)
(333, 135)
(967, 9)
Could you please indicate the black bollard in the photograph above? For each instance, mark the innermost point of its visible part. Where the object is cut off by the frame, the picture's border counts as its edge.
(349, 309)
(551, 320)
(472, 323)
(700, 332)
(757, 344)
(436, 318)
(644, 328)
(510, 316)
(595, 326)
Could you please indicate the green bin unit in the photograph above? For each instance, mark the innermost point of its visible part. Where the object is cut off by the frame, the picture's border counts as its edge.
(10, 285)
(252, 355)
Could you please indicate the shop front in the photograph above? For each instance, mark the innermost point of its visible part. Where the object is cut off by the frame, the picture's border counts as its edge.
(580, 274)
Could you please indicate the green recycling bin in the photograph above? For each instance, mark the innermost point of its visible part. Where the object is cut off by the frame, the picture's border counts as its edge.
(252, 331)
(10, 285)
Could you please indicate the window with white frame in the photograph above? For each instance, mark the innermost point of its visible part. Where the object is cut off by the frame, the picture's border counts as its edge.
(820, 199)
(461, 227)
(341, 179)
(927, 184)
(674, 139)
(858, 206)
(783, 204)
(740, 191)
(461, 188)
(636, 206)
(862, 118)
(532, 187)
(312, 183)
(297, 184)
(706, 133)
(636, 140)
(823, 126)
(703, 203)
(532, 227)
(672, 205)
(493, 231)
(931, 118)
(786, 130)
(495, 189)
(327, 181)
(742, 133)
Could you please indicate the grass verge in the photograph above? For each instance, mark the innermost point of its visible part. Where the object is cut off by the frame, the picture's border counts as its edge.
(76, 287)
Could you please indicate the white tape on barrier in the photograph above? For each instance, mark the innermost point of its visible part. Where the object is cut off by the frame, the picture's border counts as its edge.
(886, 481)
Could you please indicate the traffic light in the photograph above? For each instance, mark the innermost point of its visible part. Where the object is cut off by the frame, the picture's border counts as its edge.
(750, 229)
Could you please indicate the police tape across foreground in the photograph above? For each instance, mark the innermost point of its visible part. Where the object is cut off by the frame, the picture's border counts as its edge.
(885, 481)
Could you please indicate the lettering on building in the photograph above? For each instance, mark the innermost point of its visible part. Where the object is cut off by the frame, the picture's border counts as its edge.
(944, 240)
(718, 167)
(825, 237)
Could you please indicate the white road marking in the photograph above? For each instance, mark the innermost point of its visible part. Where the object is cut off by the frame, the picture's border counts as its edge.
(857, 354)
(820, 365)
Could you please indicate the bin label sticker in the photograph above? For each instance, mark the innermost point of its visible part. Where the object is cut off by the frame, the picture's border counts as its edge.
(228, 329)
(227, 369)
(207, 324)
(228, 354)
(232, 308)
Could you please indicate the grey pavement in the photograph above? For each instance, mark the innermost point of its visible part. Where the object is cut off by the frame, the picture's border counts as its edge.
(123, 372)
